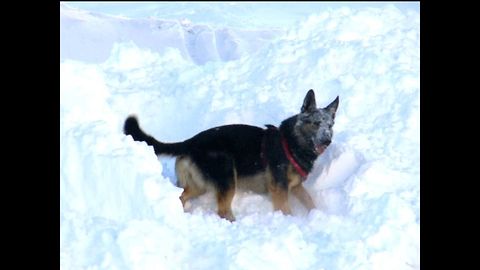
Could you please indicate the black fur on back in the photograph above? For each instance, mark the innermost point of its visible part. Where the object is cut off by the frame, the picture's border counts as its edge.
(209, 149)
(240, 143)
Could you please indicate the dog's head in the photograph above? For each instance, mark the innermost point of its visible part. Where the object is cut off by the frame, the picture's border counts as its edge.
(314, 125)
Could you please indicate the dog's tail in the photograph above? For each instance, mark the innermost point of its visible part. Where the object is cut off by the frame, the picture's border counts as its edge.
(132, 128)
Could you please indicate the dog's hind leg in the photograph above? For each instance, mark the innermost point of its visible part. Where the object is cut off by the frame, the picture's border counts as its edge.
(189, 178)
(225, 194)
(190, 192)
(224, 202)
(223, 175)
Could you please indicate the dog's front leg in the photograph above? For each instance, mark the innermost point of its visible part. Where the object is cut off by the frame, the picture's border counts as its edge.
(278, 187)
(302, 195)
(278, 183)
(280, 199)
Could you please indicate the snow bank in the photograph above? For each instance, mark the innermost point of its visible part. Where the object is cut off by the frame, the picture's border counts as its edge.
(119, 205)
(95, 35)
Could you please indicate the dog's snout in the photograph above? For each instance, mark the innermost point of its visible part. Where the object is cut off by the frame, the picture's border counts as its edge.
(326, 141)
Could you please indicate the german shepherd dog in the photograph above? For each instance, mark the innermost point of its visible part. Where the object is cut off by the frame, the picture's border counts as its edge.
(275, 160)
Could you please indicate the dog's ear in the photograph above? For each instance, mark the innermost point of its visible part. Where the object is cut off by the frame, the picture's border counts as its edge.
(309, 104)
(332, 107)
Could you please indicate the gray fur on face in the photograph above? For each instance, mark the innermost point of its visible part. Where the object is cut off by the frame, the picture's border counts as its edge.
(315, 125)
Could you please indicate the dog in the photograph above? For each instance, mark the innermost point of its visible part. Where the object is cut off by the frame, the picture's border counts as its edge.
(274, 160)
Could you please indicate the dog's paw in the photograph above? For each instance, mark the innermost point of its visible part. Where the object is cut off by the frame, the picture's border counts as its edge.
(228, 216)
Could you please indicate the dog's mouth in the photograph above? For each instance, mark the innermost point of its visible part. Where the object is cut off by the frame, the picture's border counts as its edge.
(320, 148)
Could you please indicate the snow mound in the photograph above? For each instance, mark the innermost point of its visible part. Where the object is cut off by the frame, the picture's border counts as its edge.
(90, 36)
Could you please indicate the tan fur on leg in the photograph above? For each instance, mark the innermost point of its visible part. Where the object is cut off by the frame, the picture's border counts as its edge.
(189, 178)
(189, 193)
(224, 202)
(280, 199)
(301, 193)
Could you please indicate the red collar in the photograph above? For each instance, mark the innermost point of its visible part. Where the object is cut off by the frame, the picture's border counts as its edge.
(287, 152)
(286, 149)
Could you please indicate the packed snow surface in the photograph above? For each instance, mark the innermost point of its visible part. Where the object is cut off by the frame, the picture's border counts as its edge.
(119, 205)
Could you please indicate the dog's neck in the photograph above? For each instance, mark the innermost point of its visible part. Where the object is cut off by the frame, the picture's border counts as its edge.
(304, 153)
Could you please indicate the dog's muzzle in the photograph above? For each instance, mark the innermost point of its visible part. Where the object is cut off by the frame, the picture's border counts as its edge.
(321, 146)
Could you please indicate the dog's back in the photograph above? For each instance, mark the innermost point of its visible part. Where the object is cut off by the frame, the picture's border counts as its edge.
(239, 143)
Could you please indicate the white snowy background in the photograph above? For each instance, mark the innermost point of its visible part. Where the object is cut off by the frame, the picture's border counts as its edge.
(182, 68)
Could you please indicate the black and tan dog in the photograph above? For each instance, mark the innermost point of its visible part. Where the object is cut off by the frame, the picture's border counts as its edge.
(224, 158)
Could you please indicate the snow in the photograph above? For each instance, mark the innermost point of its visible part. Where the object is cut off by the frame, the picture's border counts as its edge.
(199, 42)
(119, 206)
